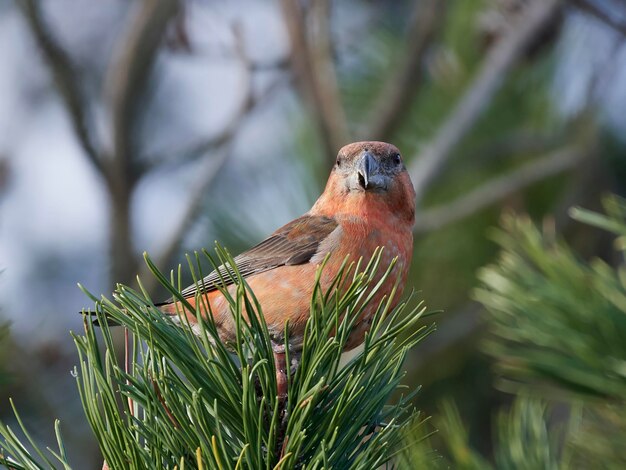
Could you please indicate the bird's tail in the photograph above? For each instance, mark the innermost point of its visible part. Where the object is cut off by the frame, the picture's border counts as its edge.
(92, 315)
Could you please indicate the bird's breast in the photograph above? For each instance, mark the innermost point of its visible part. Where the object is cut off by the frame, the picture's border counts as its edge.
(360, 239)
(285, 292)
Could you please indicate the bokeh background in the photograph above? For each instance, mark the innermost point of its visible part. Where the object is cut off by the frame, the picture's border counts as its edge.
(163, 125)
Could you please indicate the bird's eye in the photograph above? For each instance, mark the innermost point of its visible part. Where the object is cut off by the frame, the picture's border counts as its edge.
(339, 161)
(397, 159)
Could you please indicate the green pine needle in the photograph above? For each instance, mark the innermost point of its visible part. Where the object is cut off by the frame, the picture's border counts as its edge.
(190, 401)
(556, 319)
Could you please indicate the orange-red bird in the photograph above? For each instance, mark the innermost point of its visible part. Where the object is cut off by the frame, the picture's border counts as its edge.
(369, 201)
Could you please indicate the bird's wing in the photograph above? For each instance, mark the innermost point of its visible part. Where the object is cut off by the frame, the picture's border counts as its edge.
(294, 243)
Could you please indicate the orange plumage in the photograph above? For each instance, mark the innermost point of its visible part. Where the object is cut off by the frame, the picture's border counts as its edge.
(369, 201)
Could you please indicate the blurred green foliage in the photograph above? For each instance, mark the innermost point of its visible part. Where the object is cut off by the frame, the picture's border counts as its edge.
(525, 440)
(554, 318)
(557, 325)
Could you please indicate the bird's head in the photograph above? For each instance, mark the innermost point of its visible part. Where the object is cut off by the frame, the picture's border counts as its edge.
(370, 175)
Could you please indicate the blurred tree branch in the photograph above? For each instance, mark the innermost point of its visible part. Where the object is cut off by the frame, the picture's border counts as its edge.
(248, 103)
(121, 164)
(500, 59)
(322, 56)
(65, 78)
(126, 85)
(127, 79)
(206, 174)
(498, 188)
(5, 179)
(519, 142)
(209, 169)
(315, 74)
(399, 90)
(594, 10)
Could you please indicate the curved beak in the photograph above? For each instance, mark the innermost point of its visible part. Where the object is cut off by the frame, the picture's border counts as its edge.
(369, 174)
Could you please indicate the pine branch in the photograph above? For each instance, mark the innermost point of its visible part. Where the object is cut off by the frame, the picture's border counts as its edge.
(557, 329)
(525, 437)
(189, 400)
(584, 302)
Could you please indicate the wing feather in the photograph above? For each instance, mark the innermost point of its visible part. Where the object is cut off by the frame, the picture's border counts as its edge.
(293, 244)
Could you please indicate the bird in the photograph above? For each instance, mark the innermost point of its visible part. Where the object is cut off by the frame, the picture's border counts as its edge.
(368, 202)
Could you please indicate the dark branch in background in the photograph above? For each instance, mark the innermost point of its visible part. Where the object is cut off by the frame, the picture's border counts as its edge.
(594, 10)
(199, 149)
(127, 80)
(497, 189)
(177, 38)
(280, 63)
(5, 178)
(398, 92)
(126, 85)
(221, 146)
(64, 76)
(502, 56)
(326, 77)
(315, 73)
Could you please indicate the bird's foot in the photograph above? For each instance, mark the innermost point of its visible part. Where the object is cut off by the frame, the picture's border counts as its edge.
(281, 372)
